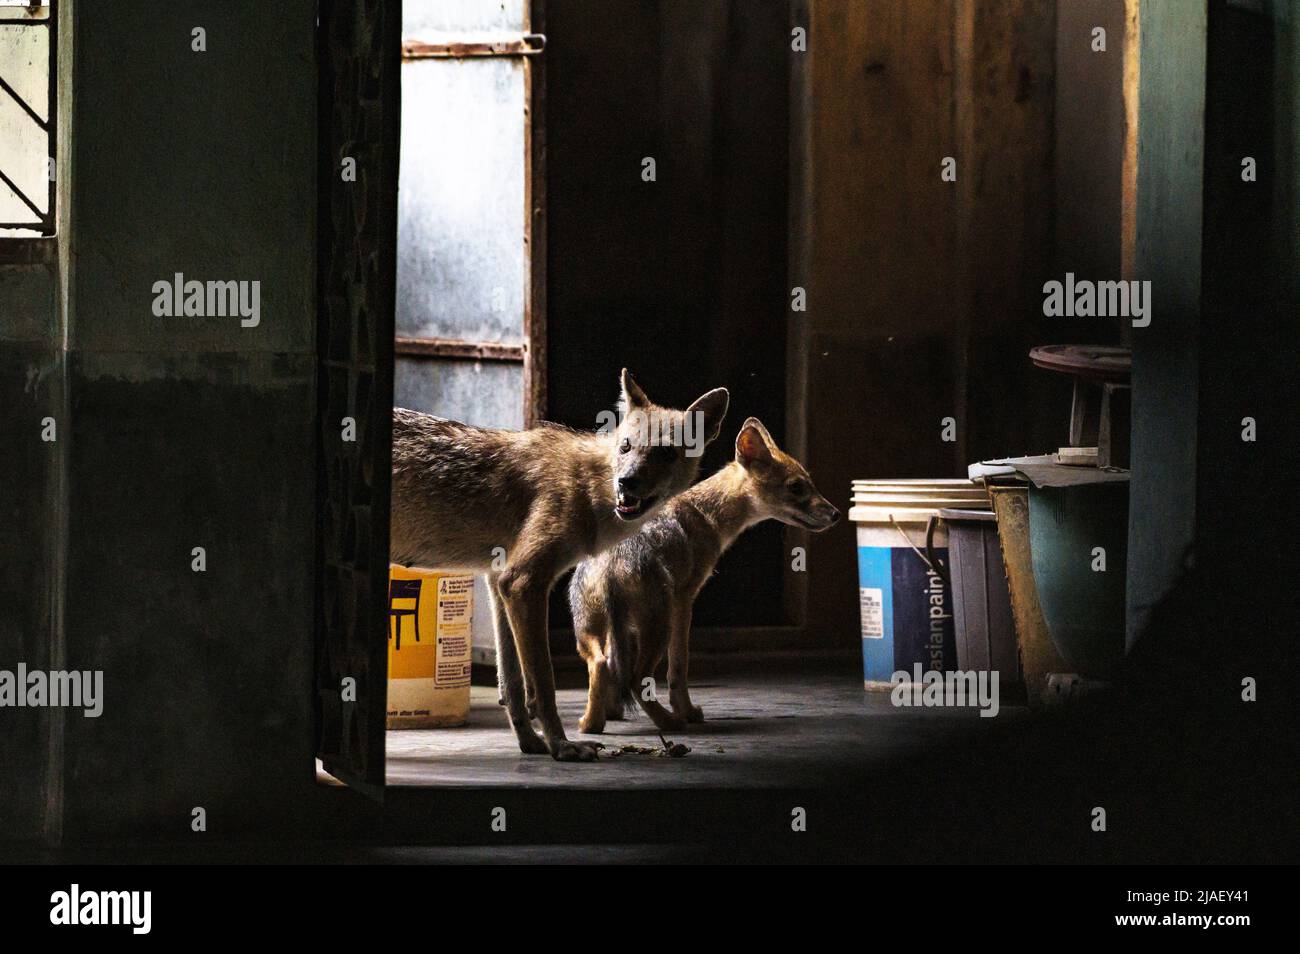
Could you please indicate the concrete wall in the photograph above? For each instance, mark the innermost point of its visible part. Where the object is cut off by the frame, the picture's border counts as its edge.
(30, 391)
(179, 432)
(33, 392)
(204, 164)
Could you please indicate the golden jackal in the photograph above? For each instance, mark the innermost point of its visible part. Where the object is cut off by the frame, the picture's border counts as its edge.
(634, 600)
(524, 507)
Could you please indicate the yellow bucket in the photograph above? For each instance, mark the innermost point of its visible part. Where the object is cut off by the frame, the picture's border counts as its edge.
(429, 644)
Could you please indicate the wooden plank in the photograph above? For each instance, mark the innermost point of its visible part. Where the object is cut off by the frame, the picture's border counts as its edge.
(1132, 70)
(794, 593)
(905, 270)
(1004, 105)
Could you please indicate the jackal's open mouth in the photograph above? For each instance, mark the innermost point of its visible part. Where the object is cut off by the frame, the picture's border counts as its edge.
(629, 508)
(813, 523)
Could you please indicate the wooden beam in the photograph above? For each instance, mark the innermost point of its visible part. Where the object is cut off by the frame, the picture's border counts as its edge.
(462, 350)
(535, 226)
(1128, 185)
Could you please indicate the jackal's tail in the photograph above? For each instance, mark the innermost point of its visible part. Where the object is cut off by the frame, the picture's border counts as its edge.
(622, 654)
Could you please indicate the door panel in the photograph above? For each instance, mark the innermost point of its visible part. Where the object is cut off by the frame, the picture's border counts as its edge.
(359, 106)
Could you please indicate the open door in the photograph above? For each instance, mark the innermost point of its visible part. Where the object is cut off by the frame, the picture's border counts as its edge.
(470, 336)
(359, 54)
(445, 310)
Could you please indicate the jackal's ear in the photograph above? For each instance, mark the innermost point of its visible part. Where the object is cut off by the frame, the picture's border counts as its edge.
(753, 443)
(762, 430)
(632, 395)
(713, 408)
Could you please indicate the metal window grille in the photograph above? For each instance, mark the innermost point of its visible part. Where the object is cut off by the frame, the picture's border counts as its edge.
(40, 15)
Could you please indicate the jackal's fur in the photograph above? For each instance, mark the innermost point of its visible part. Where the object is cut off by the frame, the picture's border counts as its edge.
(633, 601)
(524, 507)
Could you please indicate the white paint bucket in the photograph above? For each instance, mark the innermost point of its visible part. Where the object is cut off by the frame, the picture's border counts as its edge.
(905, 602)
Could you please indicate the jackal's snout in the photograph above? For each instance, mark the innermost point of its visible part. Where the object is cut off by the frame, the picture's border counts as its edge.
(778, 484)
(823, 514)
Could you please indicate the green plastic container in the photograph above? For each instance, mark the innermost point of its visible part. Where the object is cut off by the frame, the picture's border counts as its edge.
(1074, 532)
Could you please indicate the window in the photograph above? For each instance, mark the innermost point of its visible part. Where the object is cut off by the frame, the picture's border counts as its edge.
(467, 309)
(28, 133)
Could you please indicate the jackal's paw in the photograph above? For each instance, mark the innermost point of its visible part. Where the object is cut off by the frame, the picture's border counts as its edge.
(591, 725)
(694, 714)
(562, 750)
(533, 745)
(669, 721)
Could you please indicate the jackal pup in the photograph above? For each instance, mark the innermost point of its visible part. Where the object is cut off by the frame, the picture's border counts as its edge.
(634, 600)
(523, 507)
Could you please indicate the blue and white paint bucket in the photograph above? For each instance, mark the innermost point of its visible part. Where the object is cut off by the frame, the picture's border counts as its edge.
(905, 602)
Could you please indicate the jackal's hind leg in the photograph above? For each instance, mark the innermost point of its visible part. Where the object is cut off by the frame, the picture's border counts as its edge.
(613, 704)
(524, 588)
(593, 719)
(510, 679)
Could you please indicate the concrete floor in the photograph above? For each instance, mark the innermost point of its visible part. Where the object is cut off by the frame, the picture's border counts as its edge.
(1181, 781)
(761, 730)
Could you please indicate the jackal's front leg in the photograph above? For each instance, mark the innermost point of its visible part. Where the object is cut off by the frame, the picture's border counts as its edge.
(679, 657)
(525, 592)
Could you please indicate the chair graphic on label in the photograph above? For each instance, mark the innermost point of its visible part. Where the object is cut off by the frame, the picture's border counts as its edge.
(405, 590)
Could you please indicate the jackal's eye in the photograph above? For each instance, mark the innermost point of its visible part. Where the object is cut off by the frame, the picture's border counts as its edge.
(798, 487)
(625, 446)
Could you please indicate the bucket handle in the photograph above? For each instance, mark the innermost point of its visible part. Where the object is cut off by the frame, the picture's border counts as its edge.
(929, 557)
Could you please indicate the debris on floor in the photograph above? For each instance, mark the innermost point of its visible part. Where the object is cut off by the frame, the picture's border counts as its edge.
(672, 750)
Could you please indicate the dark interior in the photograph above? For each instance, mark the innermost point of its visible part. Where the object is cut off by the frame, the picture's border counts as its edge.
(774, 172)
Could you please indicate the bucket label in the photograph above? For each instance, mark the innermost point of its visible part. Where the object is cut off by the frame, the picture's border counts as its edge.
(455, 603)
(906, 613)
(923, 630)
(872, 603)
